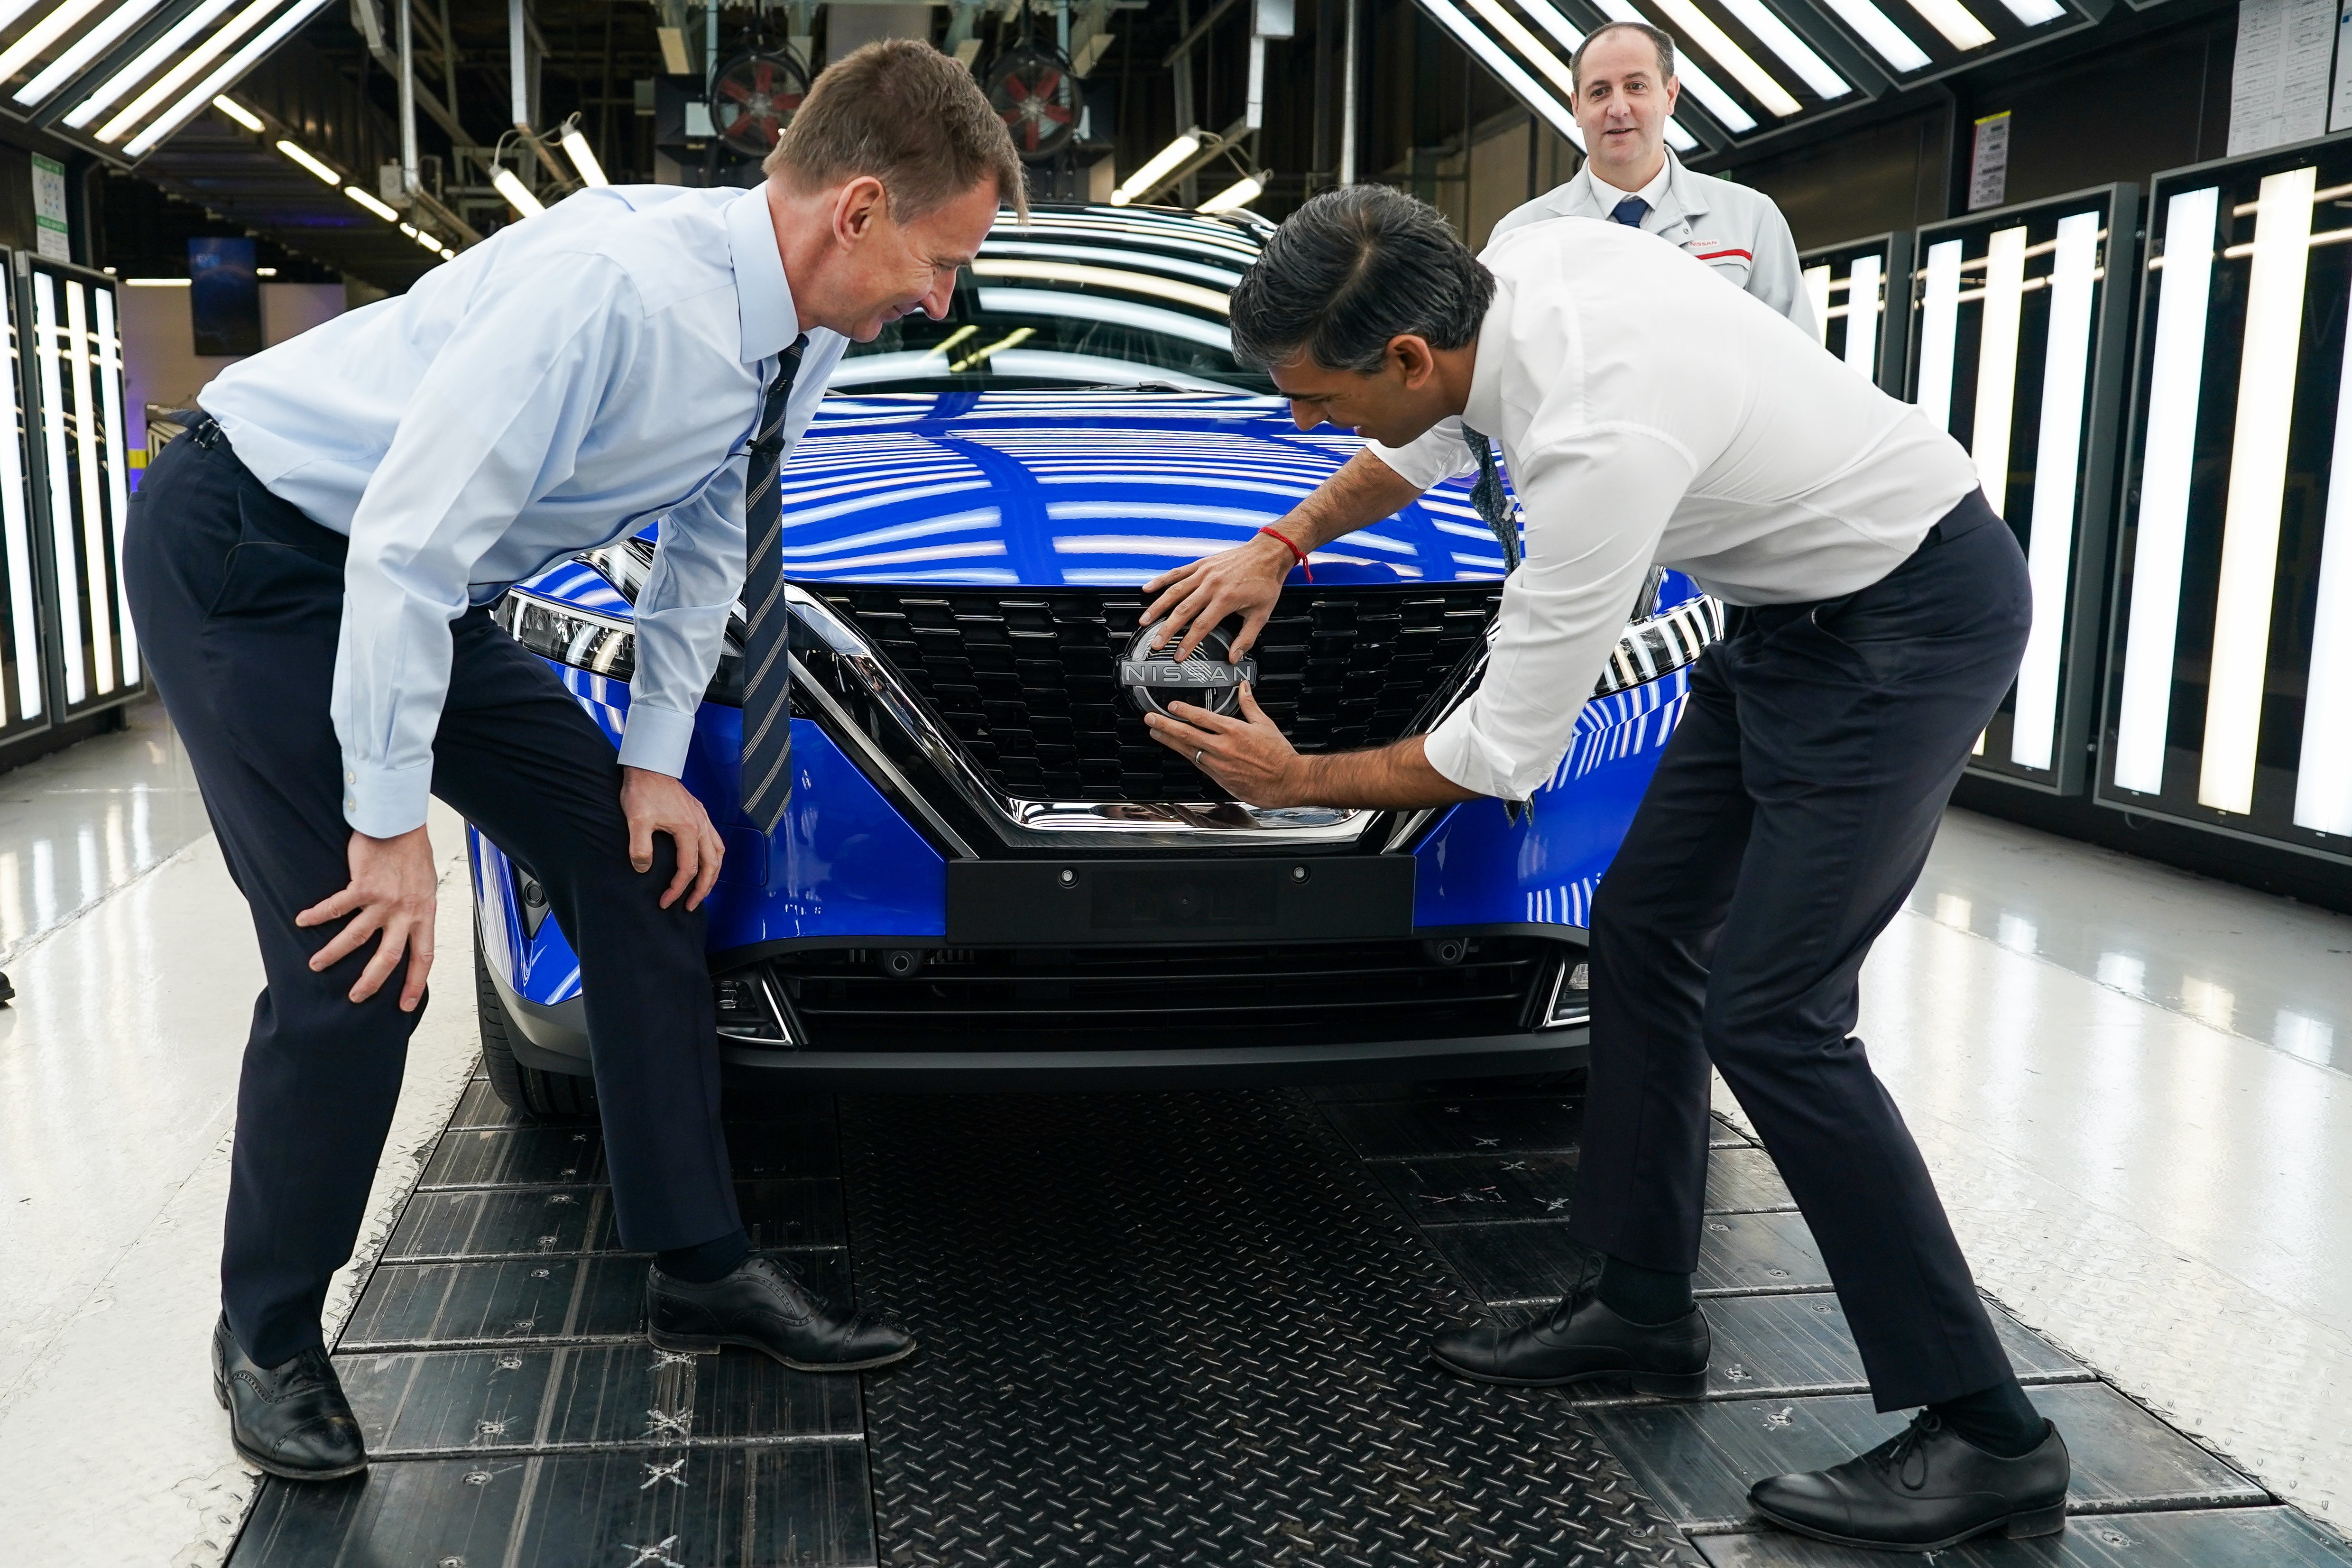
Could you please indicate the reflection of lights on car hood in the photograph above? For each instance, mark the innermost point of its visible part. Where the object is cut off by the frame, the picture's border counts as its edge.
(1192, 294)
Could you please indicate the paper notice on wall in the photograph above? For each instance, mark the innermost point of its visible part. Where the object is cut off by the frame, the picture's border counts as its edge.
(2279, 87)
(55, 241)
(1988, 166)
(2339, 100)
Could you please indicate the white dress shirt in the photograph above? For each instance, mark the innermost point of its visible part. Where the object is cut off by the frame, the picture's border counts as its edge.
(548, 392)
(1649, 414)
(1735, 230)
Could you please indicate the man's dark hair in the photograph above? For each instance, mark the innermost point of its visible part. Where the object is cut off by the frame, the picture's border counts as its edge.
(1660, 40)
(1351, 269)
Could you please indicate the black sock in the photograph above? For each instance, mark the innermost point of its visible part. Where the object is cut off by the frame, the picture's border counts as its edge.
(710, 1261)
(1647, 1296)
(2000, 1420)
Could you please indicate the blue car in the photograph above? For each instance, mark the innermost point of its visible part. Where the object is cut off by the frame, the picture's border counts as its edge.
(990, 875)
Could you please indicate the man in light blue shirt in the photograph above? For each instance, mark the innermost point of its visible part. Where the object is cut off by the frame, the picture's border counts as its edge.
(310, 570)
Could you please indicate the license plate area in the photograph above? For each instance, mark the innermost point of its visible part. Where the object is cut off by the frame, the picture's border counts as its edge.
(996, 903)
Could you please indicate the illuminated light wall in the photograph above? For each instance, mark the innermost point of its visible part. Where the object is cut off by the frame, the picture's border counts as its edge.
(24, 698)
(2230, 673)
(1860, 304)
(2018, 342)
(71, 482)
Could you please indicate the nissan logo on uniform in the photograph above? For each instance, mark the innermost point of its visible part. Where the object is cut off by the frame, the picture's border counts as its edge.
(1154, 677)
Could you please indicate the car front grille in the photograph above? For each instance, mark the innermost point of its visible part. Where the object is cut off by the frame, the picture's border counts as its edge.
(1025, 678)
(1163, 997)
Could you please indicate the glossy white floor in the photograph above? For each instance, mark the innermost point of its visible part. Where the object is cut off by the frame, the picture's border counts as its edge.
(2134, 1087)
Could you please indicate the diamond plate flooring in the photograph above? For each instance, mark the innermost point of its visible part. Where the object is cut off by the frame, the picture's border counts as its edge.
(1156, 1329)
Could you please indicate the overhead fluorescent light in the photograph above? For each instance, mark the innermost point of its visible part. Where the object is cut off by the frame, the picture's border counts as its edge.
(156, 282)
(1530, 47)
(675, 61)
(1997, 330)
(1718, 44)
(1862, 312)
(238, 112)
(1506, 69)
(2250, 518)
(517, 194)
(36, 39)
(197, 60)
(303, 156)
(2169, 454)
(1156, 168)
(374, 205)
(427, 241)
(94, 530)
(2033, 13)
(140, 68)
(1956, 22)
(17, 537)
(1817, 292)
(584, 158)
(1792, 51)
(1564, 32)
(86, 48)
(1939, 330)
(227, 72)
(53, 446)
(2323, 782)
(1239, 194)
(447, 254)
(1887, 41)
(2057, 462)
(264, 272)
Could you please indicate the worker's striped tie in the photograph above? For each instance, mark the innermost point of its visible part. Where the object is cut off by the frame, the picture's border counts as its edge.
(1487, 496)
(767, 666)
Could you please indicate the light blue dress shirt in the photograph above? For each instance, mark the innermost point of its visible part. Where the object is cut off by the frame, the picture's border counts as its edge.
(549, 390)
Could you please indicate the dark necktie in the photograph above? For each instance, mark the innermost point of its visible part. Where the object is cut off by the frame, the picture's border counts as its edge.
(1630, 212)
(767, 777)
(1487, 496)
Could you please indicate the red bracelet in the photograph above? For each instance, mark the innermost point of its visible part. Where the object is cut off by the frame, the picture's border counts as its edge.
(1294, 550)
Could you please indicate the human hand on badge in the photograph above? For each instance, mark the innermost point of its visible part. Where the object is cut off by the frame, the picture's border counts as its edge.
(1247, 755)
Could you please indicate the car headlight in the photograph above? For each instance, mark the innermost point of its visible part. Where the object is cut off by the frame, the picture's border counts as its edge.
(600, 644)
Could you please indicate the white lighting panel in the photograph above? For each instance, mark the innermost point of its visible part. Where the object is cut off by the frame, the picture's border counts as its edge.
(1817, 292)
(2323, 784)
(2176, 376)
(2065, 372)
(1956, 22)
(2250, 526)
(1792, 51)
(71, 619)
(2004, 308)
(1506, 71)
(1887, 41)
(17, 537)
(108, 370)
(94, 533)
(1862, 310)
(1939, 330)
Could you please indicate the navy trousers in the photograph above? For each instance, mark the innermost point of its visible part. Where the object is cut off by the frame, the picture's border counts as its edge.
(238, 600)
(1787, 821)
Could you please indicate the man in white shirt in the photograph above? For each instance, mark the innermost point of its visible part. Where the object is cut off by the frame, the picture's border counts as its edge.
(1625, 93)
(1649, 414)
(310, 568)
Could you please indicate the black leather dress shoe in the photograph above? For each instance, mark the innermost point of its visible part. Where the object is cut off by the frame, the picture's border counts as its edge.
(292, 1420)
(763, 1305)
(1581, 1338)
(1923, 1491)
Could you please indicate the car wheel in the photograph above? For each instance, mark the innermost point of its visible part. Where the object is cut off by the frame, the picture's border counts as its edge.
(537, 1095)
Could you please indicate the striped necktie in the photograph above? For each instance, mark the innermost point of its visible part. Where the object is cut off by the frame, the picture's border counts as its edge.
(1487, 495)
(767, 777)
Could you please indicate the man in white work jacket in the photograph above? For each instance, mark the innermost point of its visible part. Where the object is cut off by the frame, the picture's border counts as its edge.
(1649, 414)
(1626, 91)
(311, 568)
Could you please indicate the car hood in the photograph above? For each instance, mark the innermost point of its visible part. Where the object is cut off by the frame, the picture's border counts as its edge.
(1080, 488)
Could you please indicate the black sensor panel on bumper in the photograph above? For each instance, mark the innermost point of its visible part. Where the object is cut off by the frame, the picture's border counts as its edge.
(1071, 903)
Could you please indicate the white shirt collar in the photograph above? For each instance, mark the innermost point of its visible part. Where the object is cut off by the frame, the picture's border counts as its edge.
(1609, 196)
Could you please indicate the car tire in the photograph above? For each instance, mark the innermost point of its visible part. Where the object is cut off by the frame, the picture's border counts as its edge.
(537, 1095)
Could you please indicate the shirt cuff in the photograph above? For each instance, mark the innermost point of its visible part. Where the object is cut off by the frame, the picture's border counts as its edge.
(1452, 749)
(384, 803)
(657, 739)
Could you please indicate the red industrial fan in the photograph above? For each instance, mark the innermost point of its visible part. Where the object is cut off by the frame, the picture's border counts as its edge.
(1034, 93)
(753, 98)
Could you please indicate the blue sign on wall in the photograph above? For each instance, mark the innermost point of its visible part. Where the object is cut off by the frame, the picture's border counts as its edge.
(223, 297)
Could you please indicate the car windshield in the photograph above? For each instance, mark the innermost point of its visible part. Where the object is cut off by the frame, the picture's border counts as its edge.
(1083, 296)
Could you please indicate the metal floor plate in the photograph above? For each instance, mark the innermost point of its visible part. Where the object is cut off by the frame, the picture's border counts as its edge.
(1157, 1329)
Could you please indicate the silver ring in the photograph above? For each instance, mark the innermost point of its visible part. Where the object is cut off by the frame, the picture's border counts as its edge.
(1196, 755)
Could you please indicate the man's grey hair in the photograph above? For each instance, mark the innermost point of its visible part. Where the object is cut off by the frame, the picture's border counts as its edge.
(1352, 270)
(1660, 40)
